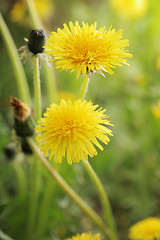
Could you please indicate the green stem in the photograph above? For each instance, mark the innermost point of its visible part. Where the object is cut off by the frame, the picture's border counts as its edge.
(37, 90)
(108, 216)
(22, 84)
(107, 212)
(49, 72)
(69, 191)
(33, 198)
(35, 174)
(84, 87)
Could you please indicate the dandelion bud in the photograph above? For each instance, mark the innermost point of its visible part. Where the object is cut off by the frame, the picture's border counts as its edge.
(37, 40)
(10, 150)
(23, 122)
(26, 147)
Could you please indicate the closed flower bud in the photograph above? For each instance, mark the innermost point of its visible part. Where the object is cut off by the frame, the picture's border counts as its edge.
(36, 41)
(10, 150)
(26, 147)
(23, 121)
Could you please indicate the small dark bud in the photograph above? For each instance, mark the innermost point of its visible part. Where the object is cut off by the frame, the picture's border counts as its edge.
(24, 129)
(10, 150)
(37, 40)
(26, 147)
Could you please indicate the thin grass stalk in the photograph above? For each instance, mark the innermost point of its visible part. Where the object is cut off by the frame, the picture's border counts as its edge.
(18, 69)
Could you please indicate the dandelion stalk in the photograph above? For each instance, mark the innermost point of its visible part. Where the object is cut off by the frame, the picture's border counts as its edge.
(35, 174)
(37, 90)
(107, 212)
(69, 191)
(22, 84)
(84, 87)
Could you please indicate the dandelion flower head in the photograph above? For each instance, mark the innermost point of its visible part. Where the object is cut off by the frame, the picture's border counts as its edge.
(85, 236)
(72, 129)
(87, 49)
(129, 9)
(148, 229)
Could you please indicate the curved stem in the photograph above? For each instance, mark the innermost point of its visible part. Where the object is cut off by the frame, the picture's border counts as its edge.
(69, 191)
(84, 87)
(107, 212)
(37, 90)
(22, 84)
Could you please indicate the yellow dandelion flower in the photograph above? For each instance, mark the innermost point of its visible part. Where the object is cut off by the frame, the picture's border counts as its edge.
(129, 9)
(156, 110)
(85, 236)
(71, 129)
(148, 229)
(86, 49)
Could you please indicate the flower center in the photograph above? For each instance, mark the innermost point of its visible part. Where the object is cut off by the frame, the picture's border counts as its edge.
(69, 127)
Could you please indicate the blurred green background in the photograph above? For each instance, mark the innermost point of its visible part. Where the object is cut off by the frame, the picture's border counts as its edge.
(129, 166)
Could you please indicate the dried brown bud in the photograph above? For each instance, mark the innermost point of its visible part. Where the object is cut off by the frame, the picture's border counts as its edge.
(23, 122)
(21, 110)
